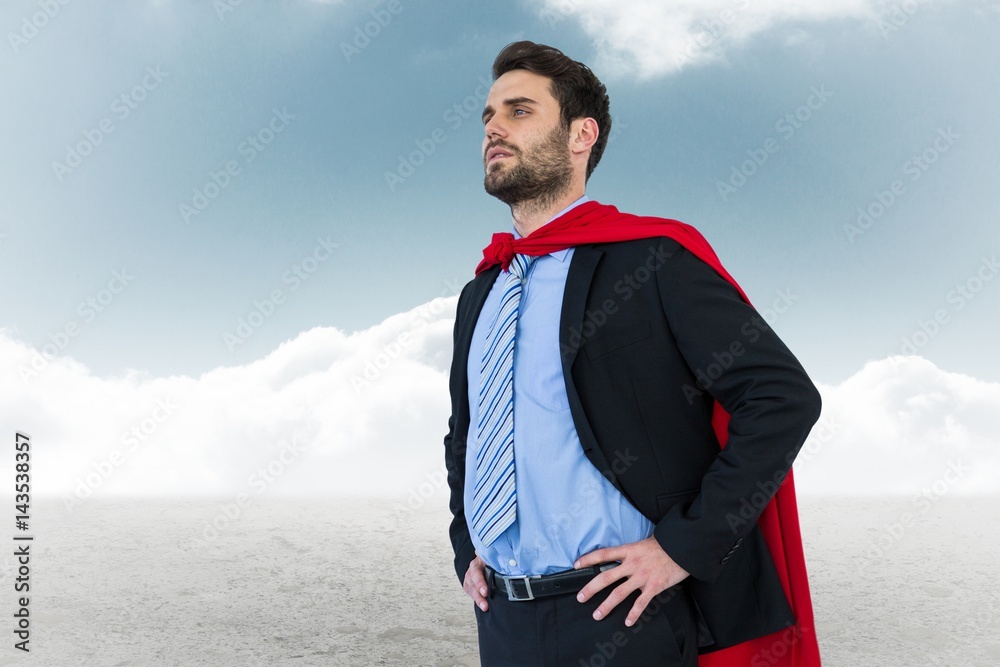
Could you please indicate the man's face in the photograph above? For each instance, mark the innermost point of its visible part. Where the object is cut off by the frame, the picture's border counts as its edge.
(526, 148)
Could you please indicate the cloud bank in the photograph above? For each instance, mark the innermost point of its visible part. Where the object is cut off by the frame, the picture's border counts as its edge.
(902, 425)
(647, 38)
(325, 413)
(330, 413)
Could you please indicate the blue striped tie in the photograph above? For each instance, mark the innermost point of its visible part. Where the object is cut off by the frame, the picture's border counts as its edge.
(495, 498)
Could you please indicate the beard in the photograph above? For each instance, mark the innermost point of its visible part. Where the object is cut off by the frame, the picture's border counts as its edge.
(540, 175)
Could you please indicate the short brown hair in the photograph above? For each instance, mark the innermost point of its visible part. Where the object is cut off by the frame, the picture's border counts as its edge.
(577, 89)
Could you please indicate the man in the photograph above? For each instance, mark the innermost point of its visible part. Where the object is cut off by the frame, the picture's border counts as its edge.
(600, 361)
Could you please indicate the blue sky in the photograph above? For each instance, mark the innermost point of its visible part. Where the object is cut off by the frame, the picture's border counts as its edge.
(230, 241)
(308, 115)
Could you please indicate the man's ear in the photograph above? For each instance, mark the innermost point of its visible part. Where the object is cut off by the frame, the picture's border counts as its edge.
(583, 134)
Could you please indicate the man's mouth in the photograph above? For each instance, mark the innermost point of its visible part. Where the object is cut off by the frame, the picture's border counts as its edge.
(497, 153)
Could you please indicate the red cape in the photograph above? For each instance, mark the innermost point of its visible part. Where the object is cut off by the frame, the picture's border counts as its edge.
(592, 222)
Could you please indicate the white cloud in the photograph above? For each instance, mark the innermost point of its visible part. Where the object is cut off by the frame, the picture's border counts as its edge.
(899, 426)
(369, 411)
(647, 38)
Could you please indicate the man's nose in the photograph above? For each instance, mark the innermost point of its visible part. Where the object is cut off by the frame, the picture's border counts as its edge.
(494, 128)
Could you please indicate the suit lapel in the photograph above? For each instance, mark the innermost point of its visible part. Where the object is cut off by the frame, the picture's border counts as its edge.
(578, 281)
(581, 273)
(480, 290)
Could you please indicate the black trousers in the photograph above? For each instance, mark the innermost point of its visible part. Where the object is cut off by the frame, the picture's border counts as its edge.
(559, 631)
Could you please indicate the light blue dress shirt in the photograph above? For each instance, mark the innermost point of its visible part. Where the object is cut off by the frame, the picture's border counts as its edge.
(565, 507)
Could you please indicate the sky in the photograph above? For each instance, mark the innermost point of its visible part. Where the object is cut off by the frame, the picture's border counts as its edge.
(216, 216)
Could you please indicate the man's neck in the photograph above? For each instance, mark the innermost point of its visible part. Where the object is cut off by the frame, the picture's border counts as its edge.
(530, 215)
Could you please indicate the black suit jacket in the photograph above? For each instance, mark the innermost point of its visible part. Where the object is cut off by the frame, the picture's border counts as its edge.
(649, 336)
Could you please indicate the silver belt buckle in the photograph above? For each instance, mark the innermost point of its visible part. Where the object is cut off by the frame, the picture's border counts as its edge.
(510, 589)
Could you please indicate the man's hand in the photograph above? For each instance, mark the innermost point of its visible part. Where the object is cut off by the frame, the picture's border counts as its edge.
(644, 564)
(475, 583)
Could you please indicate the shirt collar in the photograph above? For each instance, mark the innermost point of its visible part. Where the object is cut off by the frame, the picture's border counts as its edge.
(560, 254)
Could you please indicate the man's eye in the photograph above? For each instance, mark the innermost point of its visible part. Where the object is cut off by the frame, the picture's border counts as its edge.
(517, 111)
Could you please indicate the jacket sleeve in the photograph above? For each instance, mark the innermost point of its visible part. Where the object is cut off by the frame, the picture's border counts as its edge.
(454, 456)
(772, 404)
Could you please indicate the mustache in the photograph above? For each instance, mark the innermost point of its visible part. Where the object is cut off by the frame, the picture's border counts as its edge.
(500, 144)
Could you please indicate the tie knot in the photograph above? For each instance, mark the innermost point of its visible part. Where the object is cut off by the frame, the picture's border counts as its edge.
(519, 264)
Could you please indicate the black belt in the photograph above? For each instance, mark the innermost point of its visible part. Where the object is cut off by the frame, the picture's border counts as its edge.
(523, 588)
